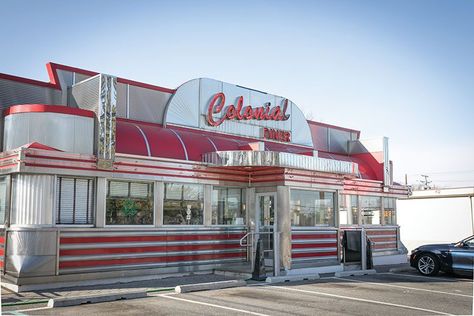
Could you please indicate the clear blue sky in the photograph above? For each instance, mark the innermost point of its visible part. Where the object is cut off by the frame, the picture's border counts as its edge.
(402, 69)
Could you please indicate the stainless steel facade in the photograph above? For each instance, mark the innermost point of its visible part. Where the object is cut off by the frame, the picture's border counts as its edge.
(36, 248)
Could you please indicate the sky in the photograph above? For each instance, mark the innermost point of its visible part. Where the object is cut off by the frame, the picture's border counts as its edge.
(401, 69)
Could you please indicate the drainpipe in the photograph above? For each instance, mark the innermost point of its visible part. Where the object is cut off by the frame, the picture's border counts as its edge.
(472, 215)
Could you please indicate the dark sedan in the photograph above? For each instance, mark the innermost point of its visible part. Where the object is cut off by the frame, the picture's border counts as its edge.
(452, 258)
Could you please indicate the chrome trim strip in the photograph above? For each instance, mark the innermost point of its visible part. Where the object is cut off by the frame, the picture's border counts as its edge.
(314, 241)
(182, 144)
(147, 244)
(306, 250)
(135, 255)
(213, 144)
(146, 140)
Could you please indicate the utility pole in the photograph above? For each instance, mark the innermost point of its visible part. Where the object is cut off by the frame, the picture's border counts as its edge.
(425, 183)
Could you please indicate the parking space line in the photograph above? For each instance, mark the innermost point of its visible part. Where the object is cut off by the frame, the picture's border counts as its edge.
(173, 297)
(404, 287)
(20, 312)
(427, 277)
(363, 300)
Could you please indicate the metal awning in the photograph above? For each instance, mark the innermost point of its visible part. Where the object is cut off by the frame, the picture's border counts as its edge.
(279, 159)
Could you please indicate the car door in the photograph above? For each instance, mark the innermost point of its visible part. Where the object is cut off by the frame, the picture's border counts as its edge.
(463, 256)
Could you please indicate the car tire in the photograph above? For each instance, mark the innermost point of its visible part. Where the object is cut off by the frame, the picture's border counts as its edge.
(427, 264)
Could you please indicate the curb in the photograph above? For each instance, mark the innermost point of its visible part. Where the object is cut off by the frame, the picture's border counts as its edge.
(209, 286)
(404, 269)
(292, 278)
(71, 301)
(354, 273)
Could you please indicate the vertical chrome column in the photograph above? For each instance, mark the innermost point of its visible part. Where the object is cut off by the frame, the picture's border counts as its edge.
(284, 226)
(207, 205)
(106, 121)
(101, 202)
(158, 194)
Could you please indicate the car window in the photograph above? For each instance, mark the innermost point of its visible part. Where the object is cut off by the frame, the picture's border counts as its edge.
(470, 242)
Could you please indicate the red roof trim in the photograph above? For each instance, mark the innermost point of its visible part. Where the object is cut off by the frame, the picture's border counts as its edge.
(335, 127)
(29, 108)
(27, 81)
(54, 80)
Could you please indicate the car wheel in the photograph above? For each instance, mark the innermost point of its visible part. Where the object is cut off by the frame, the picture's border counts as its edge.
(427, 264)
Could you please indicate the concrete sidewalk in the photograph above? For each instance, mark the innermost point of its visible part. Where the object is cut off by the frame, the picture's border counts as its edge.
(41, 297)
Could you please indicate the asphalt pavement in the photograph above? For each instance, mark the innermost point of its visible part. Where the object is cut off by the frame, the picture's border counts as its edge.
(404, 293)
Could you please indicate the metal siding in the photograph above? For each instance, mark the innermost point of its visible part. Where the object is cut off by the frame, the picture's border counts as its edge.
(86, 94)
(13, 92)
(147, 105)
(61, 131)
(32, 200)
(106, 250)
(122, 99)
(338, 141)
(313, 244)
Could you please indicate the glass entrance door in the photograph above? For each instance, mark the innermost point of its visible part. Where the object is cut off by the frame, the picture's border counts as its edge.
(265, 225)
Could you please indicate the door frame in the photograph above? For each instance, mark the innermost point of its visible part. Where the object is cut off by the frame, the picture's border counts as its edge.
(276, 234)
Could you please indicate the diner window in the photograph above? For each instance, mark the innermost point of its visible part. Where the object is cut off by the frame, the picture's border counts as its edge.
(348, 210)
(74, 201)
(312, 208)
(228, 206)
(129, 203)
(370, 209)
(183, 204)
(3, 198)
(389, 211)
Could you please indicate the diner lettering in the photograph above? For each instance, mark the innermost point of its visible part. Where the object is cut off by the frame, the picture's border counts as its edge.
(241, 112)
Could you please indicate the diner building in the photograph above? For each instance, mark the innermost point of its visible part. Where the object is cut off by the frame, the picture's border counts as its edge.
(105, 178)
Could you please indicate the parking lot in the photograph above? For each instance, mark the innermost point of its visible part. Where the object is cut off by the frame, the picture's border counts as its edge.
(383, 293)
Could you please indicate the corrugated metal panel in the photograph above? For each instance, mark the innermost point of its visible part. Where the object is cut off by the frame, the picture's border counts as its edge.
(147, 105)
(92, 250)
(308, 244)
(14, 92)
(32, 200)
(86, 94)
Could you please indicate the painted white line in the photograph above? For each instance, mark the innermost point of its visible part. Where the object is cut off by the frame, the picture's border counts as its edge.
(362, 300)
(428, 277)
(403, 287)
(213, 305)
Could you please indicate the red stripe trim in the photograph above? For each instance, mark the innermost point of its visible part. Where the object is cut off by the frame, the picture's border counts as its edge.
(381, 232)
(9, 165)
(302, 246)
(184, 237)
(2, 251)
(42, 108)
(2, 240)
(59, 158)
(385, 246)
(312, 236)
(92, 263)
(1, 264)
(313, 254)
(394, 239)
(100, 251)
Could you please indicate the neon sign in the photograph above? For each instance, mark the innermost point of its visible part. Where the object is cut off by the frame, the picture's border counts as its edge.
(240, 112)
